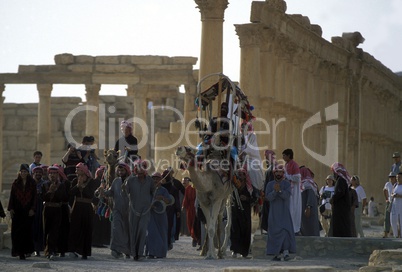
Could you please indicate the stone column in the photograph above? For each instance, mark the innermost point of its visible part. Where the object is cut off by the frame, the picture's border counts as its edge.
(211, 55)
(189, 105)
(92, 114)
(44, 122)
(140, 127)
(2, 88)
(249, 35)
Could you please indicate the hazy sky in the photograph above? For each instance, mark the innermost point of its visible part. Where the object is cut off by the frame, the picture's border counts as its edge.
(32, 32)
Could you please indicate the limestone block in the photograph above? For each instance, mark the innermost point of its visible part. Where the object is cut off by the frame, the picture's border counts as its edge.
(58, 143)
(11, 123)
(107, 59)
(156, 60)
(68, 102)
(108, 98)
(30, 123)
(115, 68)
(184, 60)
(316, 29)
(256, 8)
(65, 58)
(303, 20)
(9, 112)
(177, 127)
(84, 59)
(386, 257)
(100, 78)
(80, 68)
(26, 143)
(26, 68)
(164, 67)
(50, 68)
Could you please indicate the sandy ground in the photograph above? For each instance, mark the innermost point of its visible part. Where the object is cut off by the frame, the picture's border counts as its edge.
(183, 257)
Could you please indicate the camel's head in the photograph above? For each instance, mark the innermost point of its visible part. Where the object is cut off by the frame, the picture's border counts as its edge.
(185, 153)
(111, 156)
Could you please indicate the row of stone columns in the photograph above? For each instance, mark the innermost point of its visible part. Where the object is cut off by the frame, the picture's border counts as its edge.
(138, 93)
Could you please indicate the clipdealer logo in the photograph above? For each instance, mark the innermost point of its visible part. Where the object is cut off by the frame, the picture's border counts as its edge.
(330, 112)
(332, 131)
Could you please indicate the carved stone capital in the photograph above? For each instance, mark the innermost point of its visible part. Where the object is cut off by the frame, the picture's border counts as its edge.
(249, 34)
(92, 91)
(137, 91)
(44, 89)
(212, 9)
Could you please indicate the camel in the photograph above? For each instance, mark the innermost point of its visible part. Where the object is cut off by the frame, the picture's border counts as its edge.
(213, 196)
(111, 157)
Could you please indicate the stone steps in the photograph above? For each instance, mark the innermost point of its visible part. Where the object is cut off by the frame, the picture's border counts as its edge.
(280, 268)
(330, 246)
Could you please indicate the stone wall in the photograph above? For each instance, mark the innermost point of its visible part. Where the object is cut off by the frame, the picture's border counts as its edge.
(20, 127)
(336, 102)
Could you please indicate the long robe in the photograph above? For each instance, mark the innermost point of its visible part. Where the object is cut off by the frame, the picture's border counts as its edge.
(101, 226)
(157, 238)
(341, 210)
(281, 234)
(65, 222)
(37, 227)
(80, 239)
(265, 205)
(294, 177)
(189, 206)
(240, 231)
(120, 238)
(253, 161)
(172, 211)
(52, 216)
(22, 200)
(310, 226)
(140, 193)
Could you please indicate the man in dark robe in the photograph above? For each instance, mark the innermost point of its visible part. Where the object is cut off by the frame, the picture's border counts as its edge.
(341, 206)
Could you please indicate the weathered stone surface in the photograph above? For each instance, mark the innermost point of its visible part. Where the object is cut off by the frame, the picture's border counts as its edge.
(184, 60)
(115, 68)
(147, 60)
(107, 60)
(164, 67)
(80, 68)
(65, 58)
(386, 257)
(303, 20)
(101, 78)
(330, 246)
(26, 68)
(316, 29)
(84, 59)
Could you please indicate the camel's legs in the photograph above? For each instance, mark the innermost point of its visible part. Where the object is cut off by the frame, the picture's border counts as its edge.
(228, 206)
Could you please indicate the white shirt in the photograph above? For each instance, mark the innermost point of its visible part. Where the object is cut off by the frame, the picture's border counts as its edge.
(389, 187)
(361, 194)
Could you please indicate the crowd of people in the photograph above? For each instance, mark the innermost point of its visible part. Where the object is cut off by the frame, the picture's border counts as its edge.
(53, 208)
(56, 209)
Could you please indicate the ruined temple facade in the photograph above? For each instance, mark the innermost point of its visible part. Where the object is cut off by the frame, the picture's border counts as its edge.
(327, 100)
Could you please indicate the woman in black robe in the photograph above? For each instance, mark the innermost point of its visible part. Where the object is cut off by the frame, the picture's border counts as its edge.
(81, 225)
(22, 210)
